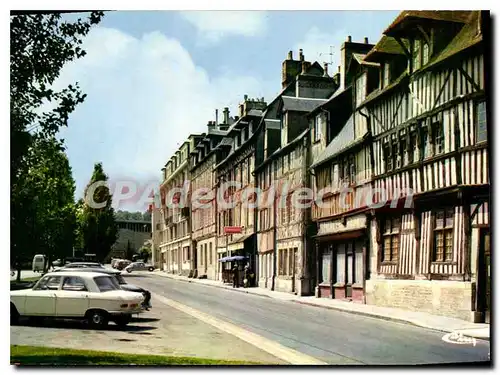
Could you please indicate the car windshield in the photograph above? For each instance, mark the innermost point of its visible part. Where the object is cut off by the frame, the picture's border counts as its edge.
(106, 283)
(120, 279)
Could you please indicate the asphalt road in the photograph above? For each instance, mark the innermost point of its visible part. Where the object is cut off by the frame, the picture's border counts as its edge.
(331, 336)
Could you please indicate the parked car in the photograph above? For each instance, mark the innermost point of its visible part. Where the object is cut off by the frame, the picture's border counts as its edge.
(38, 263)
(93, 296)
(83, 265)
(139, 266)
(122, 264)
(121, 281)
(114, 262)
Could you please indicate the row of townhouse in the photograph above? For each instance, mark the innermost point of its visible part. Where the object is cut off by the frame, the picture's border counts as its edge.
(395, 148)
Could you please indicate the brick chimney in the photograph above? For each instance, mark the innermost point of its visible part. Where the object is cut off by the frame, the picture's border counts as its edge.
(290, 68)
(225, 115)
(211, 125)
(305, 66)
(346, 50)
(325, 70)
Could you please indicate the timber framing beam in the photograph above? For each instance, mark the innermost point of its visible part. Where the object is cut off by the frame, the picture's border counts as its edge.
(424, 34)
(405, 50)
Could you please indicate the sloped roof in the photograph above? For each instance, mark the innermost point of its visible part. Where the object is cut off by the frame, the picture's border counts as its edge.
(344, 140)
(377, 93)
(301, 104)
(436, 15)
(225, 142)
(386, 45)
(272, 123)
(468, 36)
(360, 58)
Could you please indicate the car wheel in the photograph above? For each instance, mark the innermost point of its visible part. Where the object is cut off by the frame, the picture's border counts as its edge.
(14, 315)
(151, 269)
(97, 319)
(123, 320)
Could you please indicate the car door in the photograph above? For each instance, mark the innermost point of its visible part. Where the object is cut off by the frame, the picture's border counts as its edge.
(73, 298)
(42, 299)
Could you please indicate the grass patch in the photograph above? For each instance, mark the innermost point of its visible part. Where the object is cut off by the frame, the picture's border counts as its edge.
(22, 355)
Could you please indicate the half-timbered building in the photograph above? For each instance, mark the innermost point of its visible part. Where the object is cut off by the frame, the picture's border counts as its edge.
(342, 176)
(285, 261)
(430, 147)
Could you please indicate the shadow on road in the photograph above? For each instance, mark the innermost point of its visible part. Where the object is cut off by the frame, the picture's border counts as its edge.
(132, 274)
(81, 325)
(144, 320)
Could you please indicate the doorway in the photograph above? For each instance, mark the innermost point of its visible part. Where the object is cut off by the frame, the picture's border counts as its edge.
(484, 275)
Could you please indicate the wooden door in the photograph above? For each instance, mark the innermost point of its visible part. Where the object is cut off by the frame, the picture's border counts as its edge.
(349, 270)
(484, 276)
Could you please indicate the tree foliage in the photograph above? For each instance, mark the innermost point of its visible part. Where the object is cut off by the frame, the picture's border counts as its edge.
(44, 216)
(133, 216)
(40, 45)
(97, 226)
(42, 188)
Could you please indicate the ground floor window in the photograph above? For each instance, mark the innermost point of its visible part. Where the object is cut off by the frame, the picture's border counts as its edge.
(325, 266)
(443, 235)
(390, 234)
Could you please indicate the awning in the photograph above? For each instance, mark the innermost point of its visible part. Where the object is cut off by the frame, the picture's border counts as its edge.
(347, 235)
(232, 259)
(238, 243)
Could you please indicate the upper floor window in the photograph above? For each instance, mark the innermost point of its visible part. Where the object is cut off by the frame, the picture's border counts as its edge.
(481, 124)
(361, 89)
(438, 135)
(387, 69)
(391, 231)
(388, 157)
(421, 54)
(352, 169)
(317, 128)
(443, 235)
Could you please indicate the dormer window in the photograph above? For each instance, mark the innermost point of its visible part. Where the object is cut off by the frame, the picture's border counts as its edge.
(387, 70)
(317, 128)
(421, 54)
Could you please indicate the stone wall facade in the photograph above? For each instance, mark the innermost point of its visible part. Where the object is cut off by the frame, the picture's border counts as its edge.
(438, 297)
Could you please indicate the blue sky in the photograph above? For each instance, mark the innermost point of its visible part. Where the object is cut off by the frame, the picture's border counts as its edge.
(152, 78)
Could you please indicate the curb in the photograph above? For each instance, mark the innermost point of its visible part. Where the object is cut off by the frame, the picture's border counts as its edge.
(240, 290)
(356, 312)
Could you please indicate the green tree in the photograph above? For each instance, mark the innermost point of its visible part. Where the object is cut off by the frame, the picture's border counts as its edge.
(44, 216)
(40, 45)
(145, 253)
(97, 223)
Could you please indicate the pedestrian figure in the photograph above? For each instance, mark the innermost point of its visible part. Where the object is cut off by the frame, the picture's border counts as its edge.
(235, 276)
(246, 276)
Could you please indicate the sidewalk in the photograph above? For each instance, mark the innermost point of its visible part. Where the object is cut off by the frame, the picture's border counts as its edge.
(420, 319)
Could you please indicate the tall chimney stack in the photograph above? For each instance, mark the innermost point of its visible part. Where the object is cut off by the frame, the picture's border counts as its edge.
(226, 115)
(216, 116)
(301, 55)
(290, 55)
(366, 40)
(349, 39)
(325, 69)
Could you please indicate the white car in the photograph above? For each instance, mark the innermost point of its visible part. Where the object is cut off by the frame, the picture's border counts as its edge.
(93, 296)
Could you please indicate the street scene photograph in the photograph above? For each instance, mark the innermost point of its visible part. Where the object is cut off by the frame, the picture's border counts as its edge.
(267, 188)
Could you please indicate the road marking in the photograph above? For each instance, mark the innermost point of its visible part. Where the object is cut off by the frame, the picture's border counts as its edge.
(279, 351)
